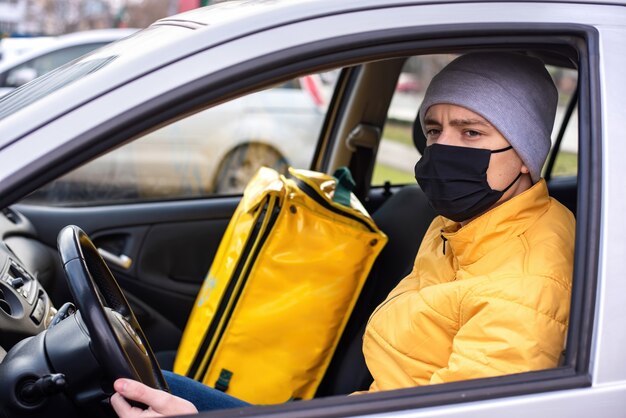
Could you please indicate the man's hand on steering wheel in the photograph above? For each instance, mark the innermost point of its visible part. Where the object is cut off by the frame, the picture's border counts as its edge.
(116, 337)
(159, 403)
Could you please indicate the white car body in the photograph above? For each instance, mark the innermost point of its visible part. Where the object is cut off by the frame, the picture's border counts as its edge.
(209, 49)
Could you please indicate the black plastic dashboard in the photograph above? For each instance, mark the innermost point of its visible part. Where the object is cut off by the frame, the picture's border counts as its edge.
(25, 307)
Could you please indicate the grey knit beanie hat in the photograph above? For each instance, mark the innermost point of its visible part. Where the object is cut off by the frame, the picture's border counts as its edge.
(514, 92)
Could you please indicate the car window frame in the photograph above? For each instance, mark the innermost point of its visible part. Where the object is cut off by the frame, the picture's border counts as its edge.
(247, 77)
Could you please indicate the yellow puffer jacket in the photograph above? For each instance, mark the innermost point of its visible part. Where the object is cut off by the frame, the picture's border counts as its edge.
(487, 299)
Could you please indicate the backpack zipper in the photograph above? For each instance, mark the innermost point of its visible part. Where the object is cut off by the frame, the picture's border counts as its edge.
(312, 193)
(235, 287)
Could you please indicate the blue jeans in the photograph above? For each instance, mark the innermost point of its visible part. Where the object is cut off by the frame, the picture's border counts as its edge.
(203, 397)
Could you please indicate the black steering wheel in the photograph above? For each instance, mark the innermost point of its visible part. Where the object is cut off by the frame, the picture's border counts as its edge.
(116, 337)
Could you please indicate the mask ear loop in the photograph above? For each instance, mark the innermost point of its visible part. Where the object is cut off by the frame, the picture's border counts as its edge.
(512, 183)
(495, 151)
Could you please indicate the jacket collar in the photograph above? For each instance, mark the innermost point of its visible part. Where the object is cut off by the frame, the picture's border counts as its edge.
(496, 226)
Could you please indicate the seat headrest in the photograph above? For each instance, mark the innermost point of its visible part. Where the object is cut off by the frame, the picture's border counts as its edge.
(419, 139)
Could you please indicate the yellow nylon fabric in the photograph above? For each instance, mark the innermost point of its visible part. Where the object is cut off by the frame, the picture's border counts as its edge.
(496, 302)
(299, 292)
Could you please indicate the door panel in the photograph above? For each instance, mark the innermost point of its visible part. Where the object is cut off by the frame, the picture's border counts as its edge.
(170, 244)
(161, 251)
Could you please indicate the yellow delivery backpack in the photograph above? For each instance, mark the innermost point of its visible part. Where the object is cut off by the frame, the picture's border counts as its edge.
(282, 285)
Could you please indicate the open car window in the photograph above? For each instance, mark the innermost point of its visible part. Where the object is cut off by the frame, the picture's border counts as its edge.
(210, 153)
(398, 153)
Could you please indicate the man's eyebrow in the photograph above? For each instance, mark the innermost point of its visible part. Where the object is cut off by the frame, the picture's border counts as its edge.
(457, 122)
(431, 121)
(466, 122)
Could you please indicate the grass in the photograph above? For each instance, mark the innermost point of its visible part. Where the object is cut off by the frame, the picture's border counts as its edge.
(383, 173)
(566, 164)
(398, 131)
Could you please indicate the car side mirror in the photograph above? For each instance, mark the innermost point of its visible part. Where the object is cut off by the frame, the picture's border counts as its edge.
(21, 76)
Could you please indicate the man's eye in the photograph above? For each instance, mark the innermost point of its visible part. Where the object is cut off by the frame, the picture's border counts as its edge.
(432, 132)
(472, 134)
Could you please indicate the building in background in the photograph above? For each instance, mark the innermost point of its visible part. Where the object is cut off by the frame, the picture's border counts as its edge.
(12, 14)
(56, 17)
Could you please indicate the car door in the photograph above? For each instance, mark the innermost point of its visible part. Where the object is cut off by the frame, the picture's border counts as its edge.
(157, 207)
(368, 37)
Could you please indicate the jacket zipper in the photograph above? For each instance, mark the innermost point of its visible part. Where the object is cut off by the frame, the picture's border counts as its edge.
(310, 191)
(224, 310)
(444, 239)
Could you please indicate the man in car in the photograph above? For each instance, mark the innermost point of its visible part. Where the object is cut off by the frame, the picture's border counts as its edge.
(489, 292)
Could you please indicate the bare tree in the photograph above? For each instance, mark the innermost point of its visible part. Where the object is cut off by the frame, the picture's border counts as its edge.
(54, 17)
(142, 13)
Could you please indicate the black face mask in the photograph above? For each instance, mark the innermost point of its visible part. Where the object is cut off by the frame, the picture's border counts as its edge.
(454, 180)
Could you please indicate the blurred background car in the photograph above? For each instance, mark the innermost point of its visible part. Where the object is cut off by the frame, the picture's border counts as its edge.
(409, 83)
(11, 48)
(40, 55)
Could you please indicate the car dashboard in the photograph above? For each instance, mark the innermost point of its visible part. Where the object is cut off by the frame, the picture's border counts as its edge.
(25, 266)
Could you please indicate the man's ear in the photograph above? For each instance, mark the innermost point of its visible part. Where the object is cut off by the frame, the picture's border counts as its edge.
(525, 169)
